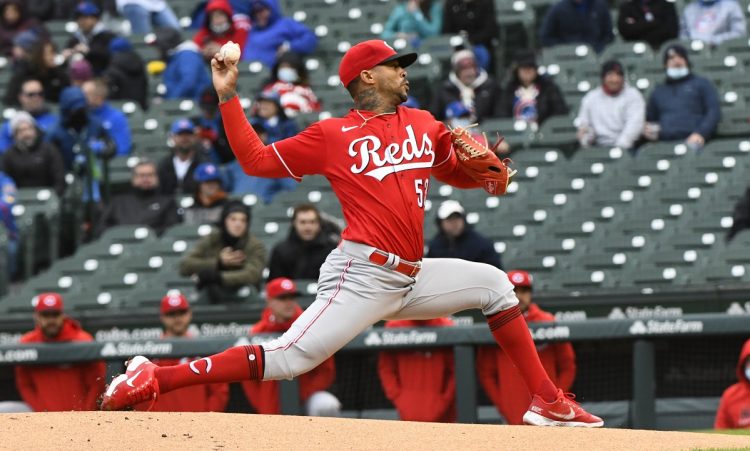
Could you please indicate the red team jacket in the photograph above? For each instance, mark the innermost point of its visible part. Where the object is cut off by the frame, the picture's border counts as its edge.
(264, 395)
(55, 388)
(379, 166)
(420, 383)
(734, 408)
(503, 383)
(198, 398)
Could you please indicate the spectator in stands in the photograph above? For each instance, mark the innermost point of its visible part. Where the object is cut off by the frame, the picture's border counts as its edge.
(126, 73)
(175, 316)
(613, 114)
(176, 171)
(209, 198)
(577, 22)
(144, 15)
(227, 259)
(143, 205)
(31, 99)
(270, 114)
(31, 162)
(79, 72)
(477, 20)
(281, 311)
(274, 34)
(420, 382)
(57, 388)
(8, 221)
(414, 20)
(290, 82)
(14, 19)
(39, 65)
(219, 27)
(305, 249)
(210, 127)
(186, 75)
(530, 96)
(112, 119)
(469, 84)
(741, 216)
(92, 37)
(685, 107)
(457, 239)
(76, 125)
(734, 407)
(239, 183)
(652, 21)
(713, 21)
(499, 377)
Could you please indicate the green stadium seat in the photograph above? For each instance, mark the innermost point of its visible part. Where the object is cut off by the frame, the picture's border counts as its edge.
(557, 131)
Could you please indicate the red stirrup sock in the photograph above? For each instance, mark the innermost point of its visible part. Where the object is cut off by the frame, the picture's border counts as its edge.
(512, 334)
(236, 364)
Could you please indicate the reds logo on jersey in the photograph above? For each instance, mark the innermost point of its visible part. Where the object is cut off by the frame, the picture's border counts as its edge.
(394, 158)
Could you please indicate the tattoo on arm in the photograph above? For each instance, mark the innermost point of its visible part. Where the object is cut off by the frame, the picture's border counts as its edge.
(226, 97)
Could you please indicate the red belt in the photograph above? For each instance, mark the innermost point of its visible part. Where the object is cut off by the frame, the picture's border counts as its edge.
(406, 268)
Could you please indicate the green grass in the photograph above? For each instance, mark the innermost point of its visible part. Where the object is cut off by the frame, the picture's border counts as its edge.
(724, 431)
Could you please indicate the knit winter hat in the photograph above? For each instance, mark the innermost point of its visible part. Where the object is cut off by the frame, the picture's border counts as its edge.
(19, 118)
(675, 50)
(612, 66)
(462, 58)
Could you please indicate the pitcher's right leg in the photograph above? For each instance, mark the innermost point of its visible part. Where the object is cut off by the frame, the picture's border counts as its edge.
(352, 295)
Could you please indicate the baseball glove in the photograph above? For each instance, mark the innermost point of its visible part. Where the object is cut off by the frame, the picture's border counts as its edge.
(480, 162)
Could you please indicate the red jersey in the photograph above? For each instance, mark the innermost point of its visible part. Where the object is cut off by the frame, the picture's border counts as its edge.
(734, 407)
(264, 395)
(379, 166)
(502, 381)
(54, 388)
(420, 382)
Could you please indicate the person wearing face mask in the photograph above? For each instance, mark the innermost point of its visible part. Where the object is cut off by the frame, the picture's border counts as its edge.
(290, 82)
(530, 96)
(227, 259)
(613, 114)
(713, 21)
(469, 84)
(209, 198)
(685, 107)
(274, 34)
(219, 27)
(30, 161)
(60, 387)
(734, 407)
(177, 171)
(143, 205)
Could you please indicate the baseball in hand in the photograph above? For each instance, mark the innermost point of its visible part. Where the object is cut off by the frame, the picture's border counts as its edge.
(230, 52)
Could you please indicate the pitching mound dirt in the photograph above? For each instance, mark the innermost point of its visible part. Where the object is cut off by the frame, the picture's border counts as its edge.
(218, 431)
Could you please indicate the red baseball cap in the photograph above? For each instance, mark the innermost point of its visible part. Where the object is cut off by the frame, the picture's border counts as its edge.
(174, 302)
(281, 286)
(368, 54)
(49, 302)
(520, 278)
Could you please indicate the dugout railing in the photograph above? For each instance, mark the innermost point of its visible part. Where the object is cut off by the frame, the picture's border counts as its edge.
(649, 343)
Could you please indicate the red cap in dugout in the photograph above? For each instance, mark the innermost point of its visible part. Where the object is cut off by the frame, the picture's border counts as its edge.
(368, 54)
(174, 302)
(281, 286)
(520, 278)
(48, 302)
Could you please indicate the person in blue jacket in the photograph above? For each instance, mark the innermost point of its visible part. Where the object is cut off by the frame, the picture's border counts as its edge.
(271, 115)
(186, 74)
(457, 239)
(273, 34)
(414, 20)
(7, 201)
(31, 99)
(578, 22)
(112, 119)
(684, 107)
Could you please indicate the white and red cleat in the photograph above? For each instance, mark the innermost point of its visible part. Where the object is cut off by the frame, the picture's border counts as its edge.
(563, 412)
(137, 385)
